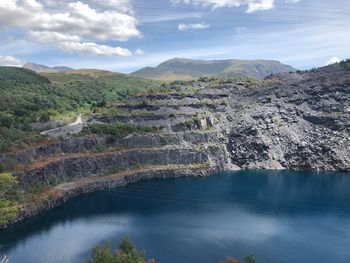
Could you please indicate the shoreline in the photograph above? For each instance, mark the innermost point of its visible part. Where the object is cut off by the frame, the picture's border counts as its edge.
(62, 193)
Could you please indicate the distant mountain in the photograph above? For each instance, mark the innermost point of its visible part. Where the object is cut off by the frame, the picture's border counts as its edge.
(42, 68)
(187, 69)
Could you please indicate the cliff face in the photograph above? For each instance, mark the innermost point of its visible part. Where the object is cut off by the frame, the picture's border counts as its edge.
(92, 156)
(292, 121)
(69, 168)
(301, 122)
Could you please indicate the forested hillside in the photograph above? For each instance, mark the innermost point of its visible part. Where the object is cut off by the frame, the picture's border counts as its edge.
(27, 97)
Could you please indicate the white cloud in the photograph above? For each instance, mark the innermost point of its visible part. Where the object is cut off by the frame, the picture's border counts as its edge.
(95, 49)
(253, 5)
(259, 5)
(333, 60)
(73, 44)
(139, 52)
(184, 27)
(70, 27)
(121, 5)
(52, 37)
(10, 61)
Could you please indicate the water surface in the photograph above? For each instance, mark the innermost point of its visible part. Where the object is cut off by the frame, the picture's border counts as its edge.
(279, 216)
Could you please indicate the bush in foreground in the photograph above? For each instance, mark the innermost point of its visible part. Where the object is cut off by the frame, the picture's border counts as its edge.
(126, 253)
(247, 259)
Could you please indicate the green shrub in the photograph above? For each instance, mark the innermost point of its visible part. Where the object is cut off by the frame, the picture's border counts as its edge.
(126, 253)
(135, 165)
(37, 188)
(117, 129)
(8, 197)
(100, 148)
(44, 117)
(249, 259)
(188, 123)
(345, 64)
(197, 122)
(8, 165)
(207, 79)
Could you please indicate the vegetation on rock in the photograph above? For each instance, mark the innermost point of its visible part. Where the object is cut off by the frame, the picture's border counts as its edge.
(8, 198)
(118, 129)
(345, 64)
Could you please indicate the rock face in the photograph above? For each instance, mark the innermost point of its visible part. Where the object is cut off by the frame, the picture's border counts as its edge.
(67, 191)
(71, 168)
(288, 121)
(295, 120)
(299, 121)
(77, 157)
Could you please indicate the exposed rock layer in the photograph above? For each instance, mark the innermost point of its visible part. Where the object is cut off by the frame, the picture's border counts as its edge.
(293, 121)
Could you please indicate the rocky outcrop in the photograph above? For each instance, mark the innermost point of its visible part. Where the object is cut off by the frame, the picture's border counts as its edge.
(70, 168)
(294, 121)
(96, 143)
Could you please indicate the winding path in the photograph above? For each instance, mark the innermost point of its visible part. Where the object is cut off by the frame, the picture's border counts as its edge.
(74, 127)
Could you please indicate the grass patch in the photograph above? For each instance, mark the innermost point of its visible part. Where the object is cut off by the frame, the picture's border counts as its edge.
(9, 196)
(37, 188)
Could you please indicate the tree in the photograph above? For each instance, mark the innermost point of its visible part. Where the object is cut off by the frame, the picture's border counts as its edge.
(249, 259)
(101, 104)
(44, 117)
(8, 197)
(6, 120)
(126, 253)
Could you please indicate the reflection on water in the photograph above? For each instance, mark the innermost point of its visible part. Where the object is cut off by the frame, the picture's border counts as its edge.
(279, 216)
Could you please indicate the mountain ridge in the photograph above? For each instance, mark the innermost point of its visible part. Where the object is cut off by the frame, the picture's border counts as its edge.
(39, 68)
(189, 69)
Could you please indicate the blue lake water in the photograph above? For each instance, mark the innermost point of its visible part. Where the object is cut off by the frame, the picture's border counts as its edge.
(279, 216)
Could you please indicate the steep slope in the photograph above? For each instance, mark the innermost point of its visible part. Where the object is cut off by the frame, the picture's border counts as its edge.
(42, 68)
(187, 69)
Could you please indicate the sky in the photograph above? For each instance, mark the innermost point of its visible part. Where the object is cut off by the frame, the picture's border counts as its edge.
(126, 35)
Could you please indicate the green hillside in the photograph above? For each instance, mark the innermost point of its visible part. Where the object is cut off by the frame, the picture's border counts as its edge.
(86, 86)
(27, 97)
(187, 69)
